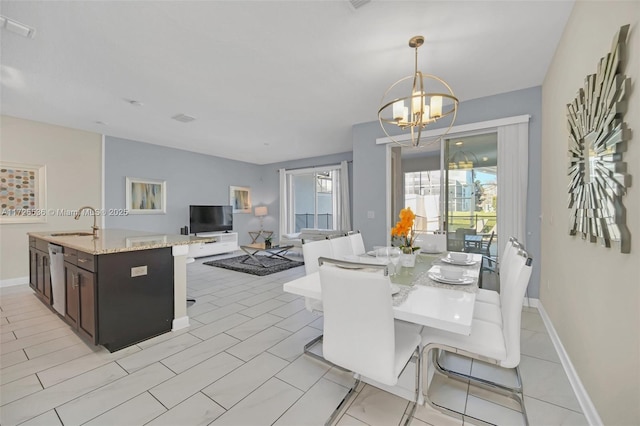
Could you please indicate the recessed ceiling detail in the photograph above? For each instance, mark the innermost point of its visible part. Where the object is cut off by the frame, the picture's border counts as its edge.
(183, 118)
(134, 102)
(17, 27)
(597, 141)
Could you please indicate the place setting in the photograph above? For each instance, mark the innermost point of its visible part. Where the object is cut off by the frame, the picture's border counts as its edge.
(430, 248)
(449, 275)
(459, 258)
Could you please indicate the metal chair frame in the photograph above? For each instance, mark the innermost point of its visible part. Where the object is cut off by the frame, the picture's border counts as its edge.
(515, 393)
(417, 354)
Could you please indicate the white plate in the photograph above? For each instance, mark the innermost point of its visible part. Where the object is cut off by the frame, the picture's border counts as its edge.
(462, 281)
(457, 262)
(394, 289)
(431, 251)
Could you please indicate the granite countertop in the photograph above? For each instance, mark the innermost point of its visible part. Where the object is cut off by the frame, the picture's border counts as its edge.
(117, 240)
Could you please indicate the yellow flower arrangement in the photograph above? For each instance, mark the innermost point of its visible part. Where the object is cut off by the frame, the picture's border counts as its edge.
(404, 230)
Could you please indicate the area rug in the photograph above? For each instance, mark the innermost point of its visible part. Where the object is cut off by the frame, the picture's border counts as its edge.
(251, 267)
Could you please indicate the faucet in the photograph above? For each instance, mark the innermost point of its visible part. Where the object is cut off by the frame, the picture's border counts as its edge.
(95, 217)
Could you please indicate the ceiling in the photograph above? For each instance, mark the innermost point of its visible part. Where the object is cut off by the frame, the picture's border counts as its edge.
(267, 81)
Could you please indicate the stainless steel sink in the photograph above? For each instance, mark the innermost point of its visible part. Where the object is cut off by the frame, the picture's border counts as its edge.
(72, 234)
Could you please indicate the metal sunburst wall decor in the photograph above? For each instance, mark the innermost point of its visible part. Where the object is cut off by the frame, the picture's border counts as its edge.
(597, 141)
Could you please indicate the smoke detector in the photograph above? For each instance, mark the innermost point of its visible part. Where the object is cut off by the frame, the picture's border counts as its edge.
(183, 118)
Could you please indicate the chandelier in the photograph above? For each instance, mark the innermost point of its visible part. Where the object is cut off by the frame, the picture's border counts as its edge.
(462, 160)
(428, 100)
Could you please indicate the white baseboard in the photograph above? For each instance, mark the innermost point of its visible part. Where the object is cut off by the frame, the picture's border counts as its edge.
(14, 281)
(180, 323)
(530, 302)
(588, 409)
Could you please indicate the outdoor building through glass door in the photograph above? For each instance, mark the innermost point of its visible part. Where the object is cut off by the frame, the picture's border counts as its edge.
(471, 203)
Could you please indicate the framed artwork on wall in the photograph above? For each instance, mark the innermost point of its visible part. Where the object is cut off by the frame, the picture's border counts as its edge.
(240, 199)
(598, 135)
(146, 196)
(23, 193)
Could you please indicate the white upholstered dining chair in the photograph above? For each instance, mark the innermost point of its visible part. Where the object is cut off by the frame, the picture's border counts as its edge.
(360, 333)
(311, 252)
(341, 246)
(488, 302)
(357, 243)
(492, 296)
(488, 341)
(432, 242)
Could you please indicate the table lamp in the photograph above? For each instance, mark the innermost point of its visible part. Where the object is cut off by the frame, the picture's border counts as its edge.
(260, 212)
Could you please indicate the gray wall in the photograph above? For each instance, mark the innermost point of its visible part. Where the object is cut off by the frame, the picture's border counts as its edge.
(369, 167)
(194, 178)
(191, 179)
(419, 164)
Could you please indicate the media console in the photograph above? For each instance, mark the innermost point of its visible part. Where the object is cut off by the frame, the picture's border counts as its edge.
(223, 242)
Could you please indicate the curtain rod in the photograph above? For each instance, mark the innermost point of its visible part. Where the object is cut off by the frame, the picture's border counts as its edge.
(314, 167)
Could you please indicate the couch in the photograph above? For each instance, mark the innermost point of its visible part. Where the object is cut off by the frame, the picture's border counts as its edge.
(308, 234)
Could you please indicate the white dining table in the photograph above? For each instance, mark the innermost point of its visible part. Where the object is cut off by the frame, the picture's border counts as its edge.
(427, 303)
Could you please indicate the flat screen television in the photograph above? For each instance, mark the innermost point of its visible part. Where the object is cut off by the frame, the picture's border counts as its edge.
(210, 219)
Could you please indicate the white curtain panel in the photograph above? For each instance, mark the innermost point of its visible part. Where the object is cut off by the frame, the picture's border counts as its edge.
(513, 167)
(284, 214)
(345, 211)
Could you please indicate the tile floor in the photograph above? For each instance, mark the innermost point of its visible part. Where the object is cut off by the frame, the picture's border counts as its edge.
(239, 363)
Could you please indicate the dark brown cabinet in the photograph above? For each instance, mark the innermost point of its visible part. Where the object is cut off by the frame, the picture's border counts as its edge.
(112, 299)
(39, 269)
(80, 293)
(72, 301)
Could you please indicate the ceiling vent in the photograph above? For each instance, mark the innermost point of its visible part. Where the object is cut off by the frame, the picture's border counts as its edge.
(183, 118)
(356, 4)
(16, 27)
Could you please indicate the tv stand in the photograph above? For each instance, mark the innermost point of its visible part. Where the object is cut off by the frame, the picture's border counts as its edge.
(223, 242)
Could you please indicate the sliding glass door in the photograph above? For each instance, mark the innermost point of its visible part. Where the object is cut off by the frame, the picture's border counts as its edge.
(471, 202)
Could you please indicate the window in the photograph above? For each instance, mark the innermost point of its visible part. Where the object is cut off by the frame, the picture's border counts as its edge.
(312, 198)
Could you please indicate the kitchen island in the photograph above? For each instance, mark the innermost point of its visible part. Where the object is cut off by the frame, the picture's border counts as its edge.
(116, 288)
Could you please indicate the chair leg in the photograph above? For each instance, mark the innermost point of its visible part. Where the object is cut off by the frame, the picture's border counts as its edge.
(308, 346)
(343, 403)
(411, 408)
(313, 342)
(515, 393)
(500, 387)
(425, 392)
(409, 411)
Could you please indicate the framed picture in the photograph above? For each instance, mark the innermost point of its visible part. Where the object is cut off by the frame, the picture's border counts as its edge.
(23, 193)
(240, 199)
(146, 196)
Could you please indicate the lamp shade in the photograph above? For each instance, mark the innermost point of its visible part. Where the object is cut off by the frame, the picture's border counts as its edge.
(260, 211)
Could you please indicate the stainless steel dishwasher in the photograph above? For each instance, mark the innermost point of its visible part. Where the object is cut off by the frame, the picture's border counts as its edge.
(57, 277)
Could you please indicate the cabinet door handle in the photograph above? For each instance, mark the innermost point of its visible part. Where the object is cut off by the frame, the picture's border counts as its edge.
(74, 280)
(82, 260)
